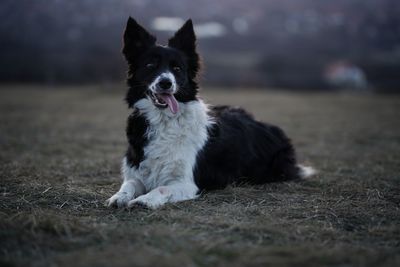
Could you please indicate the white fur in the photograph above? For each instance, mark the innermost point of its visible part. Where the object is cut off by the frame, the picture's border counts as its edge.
(166, 172)
(165, 75)
(306, 171)
(129, 190)
(163, 194)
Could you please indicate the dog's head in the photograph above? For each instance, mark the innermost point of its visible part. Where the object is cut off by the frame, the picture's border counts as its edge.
(164, 74)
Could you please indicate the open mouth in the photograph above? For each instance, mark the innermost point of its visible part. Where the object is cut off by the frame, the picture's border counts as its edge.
(158, 100)
(165, 100)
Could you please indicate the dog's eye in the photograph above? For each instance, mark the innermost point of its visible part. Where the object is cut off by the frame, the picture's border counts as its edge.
(177, 69)
(150, 65)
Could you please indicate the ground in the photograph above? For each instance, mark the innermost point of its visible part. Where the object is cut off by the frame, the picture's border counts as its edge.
(60, 154)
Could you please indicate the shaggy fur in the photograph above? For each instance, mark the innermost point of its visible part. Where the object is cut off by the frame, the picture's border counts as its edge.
(178, 146)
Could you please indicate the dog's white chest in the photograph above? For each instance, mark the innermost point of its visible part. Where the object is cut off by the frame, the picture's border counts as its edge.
(173, 143)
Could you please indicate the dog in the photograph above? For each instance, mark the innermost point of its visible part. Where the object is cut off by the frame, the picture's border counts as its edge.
(178, 145)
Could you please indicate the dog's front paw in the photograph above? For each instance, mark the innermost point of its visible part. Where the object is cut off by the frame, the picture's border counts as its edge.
(120, 199)
(151, 201)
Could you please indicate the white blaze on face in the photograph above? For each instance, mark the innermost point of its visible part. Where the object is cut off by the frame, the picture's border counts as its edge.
(165, 75)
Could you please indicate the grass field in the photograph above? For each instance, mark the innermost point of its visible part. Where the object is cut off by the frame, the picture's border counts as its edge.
(60, 152)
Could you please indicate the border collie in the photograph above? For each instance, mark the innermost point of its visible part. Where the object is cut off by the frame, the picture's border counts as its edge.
(179, 146)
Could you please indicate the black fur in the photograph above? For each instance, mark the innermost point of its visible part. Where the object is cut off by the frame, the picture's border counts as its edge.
(239, 148)
(136, 133)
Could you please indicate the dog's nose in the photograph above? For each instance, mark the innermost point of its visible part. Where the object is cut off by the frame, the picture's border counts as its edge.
(165, 84)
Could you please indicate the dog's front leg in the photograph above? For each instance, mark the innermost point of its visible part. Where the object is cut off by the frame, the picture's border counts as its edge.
(130, 189)
(164, 194)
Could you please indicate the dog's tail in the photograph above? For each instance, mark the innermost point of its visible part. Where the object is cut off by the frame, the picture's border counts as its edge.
(306, 171)
(284, 167)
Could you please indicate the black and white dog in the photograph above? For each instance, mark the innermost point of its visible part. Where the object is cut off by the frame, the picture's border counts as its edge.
(179, 146)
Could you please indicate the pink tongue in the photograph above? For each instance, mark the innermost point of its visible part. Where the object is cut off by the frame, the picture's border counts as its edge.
(171, 102)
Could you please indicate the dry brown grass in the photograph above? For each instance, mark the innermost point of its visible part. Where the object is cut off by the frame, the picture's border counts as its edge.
(60, 152)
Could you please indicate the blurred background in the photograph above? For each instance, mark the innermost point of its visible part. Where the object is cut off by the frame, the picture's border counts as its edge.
(294, 44)
(325, 71)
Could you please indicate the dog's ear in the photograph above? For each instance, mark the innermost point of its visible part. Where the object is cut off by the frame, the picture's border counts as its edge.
(136, 40)
(185, 41)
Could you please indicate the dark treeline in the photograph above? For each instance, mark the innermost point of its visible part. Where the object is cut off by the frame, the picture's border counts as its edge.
(282, 43)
